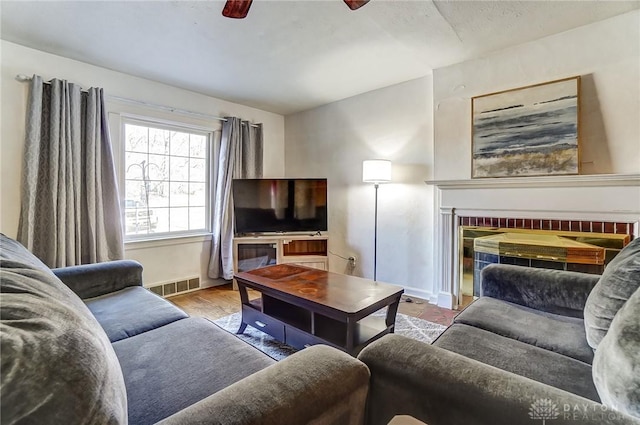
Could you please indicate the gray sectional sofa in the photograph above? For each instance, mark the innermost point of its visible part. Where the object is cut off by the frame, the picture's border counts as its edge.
(101, 349)
(538, 345)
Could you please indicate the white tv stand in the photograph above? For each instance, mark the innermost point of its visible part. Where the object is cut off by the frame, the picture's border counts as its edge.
(252, 252)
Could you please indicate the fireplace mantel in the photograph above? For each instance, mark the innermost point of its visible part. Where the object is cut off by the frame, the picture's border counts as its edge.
(595, 197)
(588, 180)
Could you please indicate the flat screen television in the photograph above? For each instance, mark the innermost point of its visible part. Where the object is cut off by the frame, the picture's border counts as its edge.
(279, 205)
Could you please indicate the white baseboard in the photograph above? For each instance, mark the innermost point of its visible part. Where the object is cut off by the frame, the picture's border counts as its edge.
(445, 300)
(420, 293)
(210, 283)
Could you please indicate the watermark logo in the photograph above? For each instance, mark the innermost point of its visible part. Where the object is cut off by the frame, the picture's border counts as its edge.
(543, 409)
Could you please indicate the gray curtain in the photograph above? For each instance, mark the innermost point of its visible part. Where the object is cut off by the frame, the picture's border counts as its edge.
(240, 157)
(70, 205)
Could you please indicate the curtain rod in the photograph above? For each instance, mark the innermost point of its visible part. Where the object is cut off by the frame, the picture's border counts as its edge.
(25, 78)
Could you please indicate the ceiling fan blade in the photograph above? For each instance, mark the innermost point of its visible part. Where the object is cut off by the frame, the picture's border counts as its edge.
(237, 9)
(355, 4)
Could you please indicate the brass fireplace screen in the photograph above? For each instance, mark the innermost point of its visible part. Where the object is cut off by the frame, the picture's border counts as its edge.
(586, 252)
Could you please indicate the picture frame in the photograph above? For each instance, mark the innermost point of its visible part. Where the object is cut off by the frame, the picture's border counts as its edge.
(527, 131)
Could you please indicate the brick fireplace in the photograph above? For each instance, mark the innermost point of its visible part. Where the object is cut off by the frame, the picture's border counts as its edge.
(598, 204)
(573, 245)
(546, 224)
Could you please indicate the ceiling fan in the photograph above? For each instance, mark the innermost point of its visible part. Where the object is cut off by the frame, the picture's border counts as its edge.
(239, 9)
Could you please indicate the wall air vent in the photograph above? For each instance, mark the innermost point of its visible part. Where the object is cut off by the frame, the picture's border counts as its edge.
(169, 289)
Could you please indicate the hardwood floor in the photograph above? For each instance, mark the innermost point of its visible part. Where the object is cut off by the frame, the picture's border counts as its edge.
(417, 307)
(214, 303)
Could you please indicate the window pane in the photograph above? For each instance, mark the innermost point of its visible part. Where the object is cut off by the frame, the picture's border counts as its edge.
(198, 196)
(158, 194)
(135, 164)
(198, 170)
(179, 194)
(158, 168)
(134, 192)
(163, 219)
(135, 138)
(198, 146)
(139, 219)
(179, 219)
(197, 218)
(179, 168)
(179, 143)
(158, 141)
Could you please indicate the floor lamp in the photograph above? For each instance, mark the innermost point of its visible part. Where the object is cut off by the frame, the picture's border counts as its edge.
(376, 171)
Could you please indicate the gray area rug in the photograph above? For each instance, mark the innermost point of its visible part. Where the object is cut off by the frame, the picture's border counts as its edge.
(408, 326)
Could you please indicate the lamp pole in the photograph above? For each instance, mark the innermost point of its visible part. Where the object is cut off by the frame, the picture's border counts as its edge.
(376, 171)
(375, 234)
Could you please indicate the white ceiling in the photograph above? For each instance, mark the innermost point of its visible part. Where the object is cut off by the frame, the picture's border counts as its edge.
(288, 56)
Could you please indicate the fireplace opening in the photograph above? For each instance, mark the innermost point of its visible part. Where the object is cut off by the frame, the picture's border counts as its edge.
(526, 242)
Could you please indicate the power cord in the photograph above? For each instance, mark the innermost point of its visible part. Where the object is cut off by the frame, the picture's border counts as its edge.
(340, 256)
(351, 261)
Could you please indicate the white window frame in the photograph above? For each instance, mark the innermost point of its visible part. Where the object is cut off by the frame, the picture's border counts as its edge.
(154, 122)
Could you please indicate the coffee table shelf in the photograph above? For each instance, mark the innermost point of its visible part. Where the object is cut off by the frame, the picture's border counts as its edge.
(291, 311)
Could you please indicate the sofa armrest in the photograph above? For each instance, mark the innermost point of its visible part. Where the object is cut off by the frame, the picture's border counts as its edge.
(319, 385)
(92, 280)
(553, 291)
(440, 387)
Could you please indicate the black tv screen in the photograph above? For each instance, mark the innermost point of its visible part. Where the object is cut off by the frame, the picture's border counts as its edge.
(279, 205)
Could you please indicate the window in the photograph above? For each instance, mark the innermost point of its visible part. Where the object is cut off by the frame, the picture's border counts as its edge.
(166, 179)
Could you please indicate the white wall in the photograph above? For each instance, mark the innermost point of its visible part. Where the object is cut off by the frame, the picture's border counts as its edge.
(605, 54)
(331, 141)
(164, 262)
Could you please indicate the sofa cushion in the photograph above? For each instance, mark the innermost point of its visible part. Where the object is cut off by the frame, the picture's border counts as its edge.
(620, 279)
(58, 365)
(174, 366)
(520, 358)
(562, 334)
(131, 311)
(616, 367)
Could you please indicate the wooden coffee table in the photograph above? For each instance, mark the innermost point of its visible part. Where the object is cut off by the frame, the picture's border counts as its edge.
(301, 306)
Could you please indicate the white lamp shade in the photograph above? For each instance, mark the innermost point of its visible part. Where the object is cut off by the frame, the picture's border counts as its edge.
(376, 171)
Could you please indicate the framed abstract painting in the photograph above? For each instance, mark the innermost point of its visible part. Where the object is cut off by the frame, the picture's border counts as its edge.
(528, 131)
